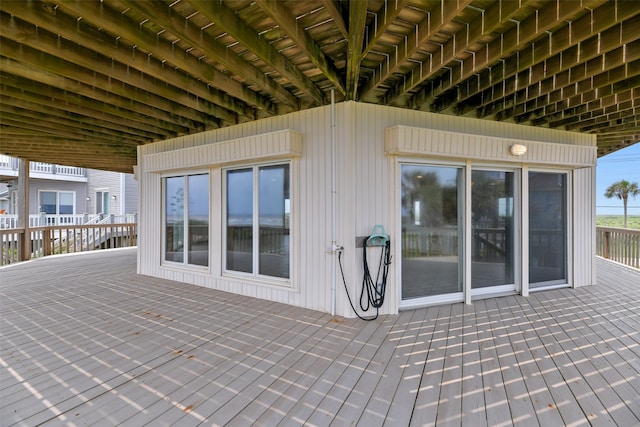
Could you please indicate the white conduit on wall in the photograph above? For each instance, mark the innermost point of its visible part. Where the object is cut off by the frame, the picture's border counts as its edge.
(333, 203)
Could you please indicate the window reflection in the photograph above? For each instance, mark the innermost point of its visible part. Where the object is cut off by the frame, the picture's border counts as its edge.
(258, 222)
(493, 229)
(274, 221)
(174, 219)
(240, 220)
(198, 219)
(187, 219)
(430, 230)
(547, 228)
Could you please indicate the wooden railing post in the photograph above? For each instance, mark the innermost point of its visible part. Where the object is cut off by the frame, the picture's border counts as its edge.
(46, 236)
(607, 245)
(24, 244)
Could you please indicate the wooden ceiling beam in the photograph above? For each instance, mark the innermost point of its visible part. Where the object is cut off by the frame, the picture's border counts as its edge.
(162, 15)
(610, 148)
(357, 22)
(47, 126)
(577, 91)
(588, 100)
(525, 32)
(80, 121)
(561, 109)
(435, 20)
(94, 156)
(579, 61)
(226, 19)
(99, 52)
(161, 95)
(336, 14)
(490, 21)
(45, 142)
(383, 19)
(76, 123)
(164, 53)
(575, 123)
(44, 69)
(35, 144)
(627, 124)
(288, 23)
(75, 120)
(618, 140)
(9, 130)
(610, 95)
(49, 96)
(588, 37)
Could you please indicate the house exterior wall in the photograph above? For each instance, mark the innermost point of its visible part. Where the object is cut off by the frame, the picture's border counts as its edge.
(38, 185)
(122, 186)
(367, 191)
(129, 185)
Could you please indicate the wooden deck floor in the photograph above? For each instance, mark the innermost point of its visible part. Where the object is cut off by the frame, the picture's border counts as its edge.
(86, 341)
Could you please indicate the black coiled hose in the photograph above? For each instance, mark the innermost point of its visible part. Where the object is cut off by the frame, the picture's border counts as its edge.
(375, 290)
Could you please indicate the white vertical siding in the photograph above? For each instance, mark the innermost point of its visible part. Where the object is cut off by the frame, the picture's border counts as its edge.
(584, 226)
(131, 194)
(111, 181)
(367, 193)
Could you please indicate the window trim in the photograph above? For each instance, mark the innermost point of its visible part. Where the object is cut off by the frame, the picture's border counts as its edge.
(57, 193)
(163, 218)
(265, 280)
(568, 235)
(101, 191)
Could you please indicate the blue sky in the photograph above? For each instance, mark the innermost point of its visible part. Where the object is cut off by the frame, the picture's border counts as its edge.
(614, 167)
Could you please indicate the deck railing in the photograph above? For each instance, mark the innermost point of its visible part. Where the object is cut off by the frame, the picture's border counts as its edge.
(62, 239)
(619, 244)
(10, 164)
(41, 220)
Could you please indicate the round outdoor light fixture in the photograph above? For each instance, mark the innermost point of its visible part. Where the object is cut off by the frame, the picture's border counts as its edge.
(518, 149)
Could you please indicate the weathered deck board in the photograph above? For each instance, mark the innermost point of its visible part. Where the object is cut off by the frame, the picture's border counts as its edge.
(86, 341)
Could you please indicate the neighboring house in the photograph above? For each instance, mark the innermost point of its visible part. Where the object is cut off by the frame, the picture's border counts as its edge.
(261, 208)
(111, 192)
(66, 190)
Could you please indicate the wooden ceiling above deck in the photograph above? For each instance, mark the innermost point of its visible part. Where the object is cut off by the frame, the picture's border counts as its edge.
(84, 82)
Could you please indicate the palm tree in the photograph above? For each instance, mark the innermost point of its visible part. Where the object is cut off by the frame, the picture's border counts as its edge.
(622, 190)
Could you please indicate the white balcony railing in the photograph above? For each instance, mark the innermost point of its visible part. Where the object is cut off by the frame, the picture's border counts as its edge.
(10, 165)
(42, 220)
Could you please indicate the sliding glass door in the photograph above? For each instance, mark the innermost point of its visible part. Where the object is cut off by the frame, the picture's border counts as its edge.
(434, 237)
(547, 229)
(431, 231)
(493, 236)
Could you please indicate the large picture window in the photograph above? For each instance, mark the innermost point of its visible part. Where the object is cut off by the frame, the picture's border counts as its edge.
(186, 218)
(258, 209)
(57, 202)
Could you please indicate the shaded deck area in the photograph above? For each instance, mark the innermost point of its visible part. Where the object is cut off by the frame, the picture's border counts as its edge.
(86, 341)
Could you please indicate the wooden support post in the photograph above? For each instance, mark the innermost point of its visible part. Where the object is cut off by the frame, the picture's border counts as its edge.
(24, 245)
(46, 237)
(607, 242)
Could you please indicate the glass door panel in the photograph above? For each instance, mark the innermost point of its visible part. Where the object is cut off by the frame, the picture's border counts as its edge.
(431, 230)
(273, 219)
(174, 219)
(547, 229)
(240, 220)
(492, 223)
